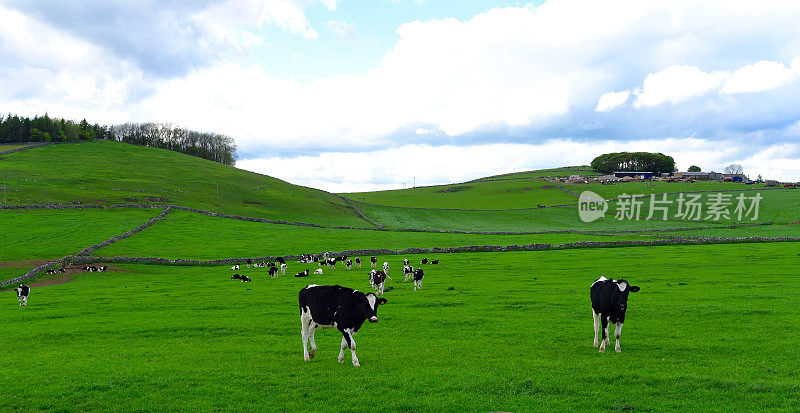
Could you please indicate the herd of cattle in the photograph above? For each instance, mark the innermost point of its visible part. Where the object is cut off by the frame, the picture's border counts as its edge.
(346, 309)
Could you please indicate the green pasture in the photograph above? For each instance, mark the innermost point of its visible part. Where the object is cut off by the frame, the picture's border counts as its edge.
(186, 235)
(565, 171)
(8, 147)
(714, 328)
(28, 236)
(117, 173)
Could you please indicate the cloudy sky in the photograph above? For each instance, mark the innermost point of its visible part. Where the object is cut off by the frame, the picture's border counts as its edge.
(350, 95)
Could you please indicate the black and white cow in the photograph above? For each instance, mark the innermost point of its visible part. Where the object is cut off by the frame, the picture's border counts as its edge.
(249, 262)
(283, 268)
(302, 273)
(358, 262)
(332, 263)
(273, 272)
(318, 271)
(61, 270)
(339, 307)
(23, 291)
(51, 271)
(435, 261)
(418, 276)
(236, 277)
(386, 267)
(245, 279)
(424, 261)
(408, 271)
(102, 268)
(235, 267)
(280, 260)
(609, 302)
(405, 262)
(373, 261)
(349, 264)
(377, 279)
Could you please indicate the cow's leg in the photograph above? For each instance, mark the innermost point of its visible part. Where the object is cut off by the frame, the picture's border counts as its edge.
(312, 329)
(604, 341)
(596, 318)
(24, 301)
(305, 322)
(344, 346)
(618, 333)
(352, 344)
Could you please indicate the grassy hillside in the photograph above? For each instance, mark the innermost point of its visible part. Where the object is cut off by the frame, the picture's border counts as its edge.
(110, 172)
(513, 334)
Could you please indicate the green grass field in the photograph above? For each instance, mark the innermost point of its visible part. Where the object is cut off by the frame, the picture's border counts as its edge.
(514, 334)
(8, 147)
(714, 327)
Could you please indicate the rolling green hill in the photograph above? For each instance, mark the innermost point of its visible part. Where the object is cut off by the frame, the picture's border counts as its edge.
(116, 173)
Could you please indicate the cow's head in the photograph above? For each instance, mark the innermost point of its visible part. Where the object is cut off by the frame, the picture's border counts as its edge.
(371, 307)
(622, 295)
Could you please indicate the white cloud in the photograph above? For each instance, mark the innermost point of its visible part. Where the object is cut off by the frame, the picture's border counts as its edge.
(329, 4)
(760, 76)
(343, 29)
(232, 19)
(612, 100)
(677, 84)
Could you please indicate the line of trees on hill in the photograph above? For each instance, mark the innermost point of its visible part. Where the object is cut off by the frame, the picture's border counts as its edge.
(633, 162)
(211, 146)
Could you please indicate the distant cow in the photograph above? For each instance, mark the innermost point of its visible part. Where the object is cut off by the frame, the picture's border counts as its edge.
(61, 270)
(102, 268)
(373, 261)
(235, 267)
(318, 271)
(405, 262)
(386, 267)
(51, 271)
(236, 277)
(418, 276)
(435, 262)
(283, 268)
(408, 271)
(358, 262)
(609, 302)
(245, 279)
(302, 273)
(249, 262)
(377, 279)
(335, 306)
(273, 272)
(349, 264)
(23, 291)
(280, 260)
(424, 261)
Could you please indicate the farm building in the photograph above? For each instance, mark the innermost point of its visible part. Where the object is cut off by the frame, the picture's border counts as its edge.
(634, 175)
(699, 176)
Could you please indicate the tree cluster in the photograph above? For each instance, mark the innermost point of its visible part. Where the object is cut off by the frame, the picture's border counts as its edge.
(633, 162)
(211, 146)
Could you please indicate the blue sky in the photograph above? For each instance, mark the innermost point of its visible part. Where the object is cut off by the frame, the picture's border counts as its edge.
(354, 95)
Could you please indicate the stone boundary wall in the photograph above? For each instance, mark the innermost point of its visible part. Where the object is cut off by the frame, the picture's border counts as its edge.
(30, 145)
(89, 250)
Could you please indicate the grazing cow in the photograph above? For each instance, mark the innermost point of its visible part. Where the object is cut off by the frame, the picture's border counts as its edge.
(302, 273)
(424, 261)
(343, 258)
(609, 302)
(335, 306)
(280, 260)
(332, 263)
(349, 264)
(273, 272)
(235, 267)
(373, 261)
(435, 262)
(318, 271)
(408, 271)
(102, 268)
(377, 280)
(61, 270)
(236, 277)
(23, 291)
(405, 262)
(358, 262)
(386, 267)
(418, 276)
(245, 279)
(249, 262)
(51, 271)
(283, 268)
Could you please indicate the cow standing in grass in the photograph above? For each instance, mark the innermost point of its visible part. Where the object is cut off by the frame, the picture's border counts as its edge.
(609, 303)
(335, 306)
(358, 262)
(23, 291)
